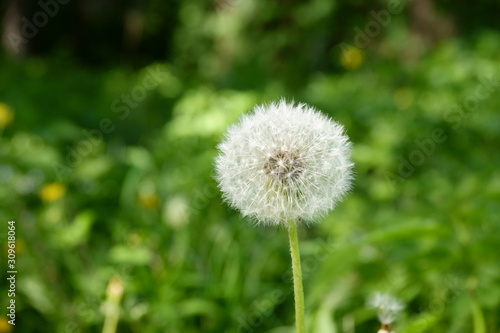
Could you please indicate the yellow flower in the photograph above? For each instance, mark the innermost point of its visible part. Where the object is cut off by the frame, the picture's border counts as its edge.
(351, 58)
(148, 200)
(5, 327)
(6, 115)
(403, 98)
(52, 192)
(19, 249)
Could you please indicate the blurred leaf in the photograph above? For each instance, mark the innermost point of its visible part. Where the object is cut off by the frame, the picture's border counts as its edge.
(477, 317)
(76, 232)
(424, 322)
(130, 255)
(37, 294)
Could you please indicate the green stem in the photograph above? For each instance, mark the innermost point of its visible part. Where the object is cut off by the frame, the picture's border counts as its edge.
(298, 290)
(114, 294)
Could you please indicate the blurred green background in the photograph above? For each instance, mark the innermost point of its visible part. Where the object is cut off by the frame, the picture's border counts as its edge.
(110, 113)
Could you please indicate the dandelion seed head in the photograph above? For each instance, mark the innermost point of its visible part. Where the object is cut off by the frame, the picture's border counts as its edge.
(387, 307)
(283, 162)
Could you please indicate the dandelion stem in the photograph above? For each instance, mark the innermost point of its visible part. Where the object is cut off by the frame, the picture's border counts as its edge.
(298, 290)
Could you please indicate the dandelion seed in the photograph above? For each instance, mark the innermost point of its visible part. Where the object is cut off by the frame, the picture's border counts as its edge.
(387, 308)
(300, 167)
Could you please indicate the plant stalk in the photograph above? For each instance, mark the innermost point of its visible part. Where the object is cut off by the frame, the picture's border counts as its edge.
(114, 294)
(298, 290)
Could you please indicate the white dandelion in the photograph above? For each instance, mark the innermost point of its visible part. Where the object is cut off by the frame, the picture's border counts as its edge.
(284, 162)
(387, 308)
